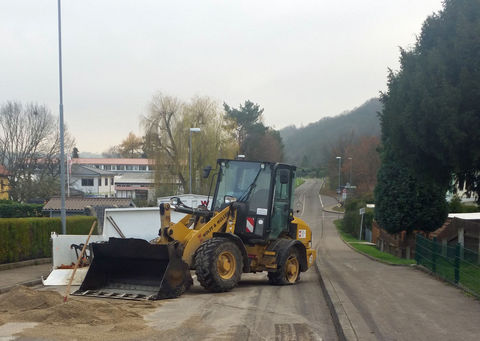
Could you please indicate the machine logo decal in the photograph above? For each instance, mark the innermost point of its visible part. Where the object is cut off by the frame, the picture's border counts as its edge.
(302, 234)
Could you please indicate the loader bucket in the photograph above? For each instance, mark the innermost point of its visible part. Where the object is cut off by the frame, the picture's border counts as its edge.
(136, 269)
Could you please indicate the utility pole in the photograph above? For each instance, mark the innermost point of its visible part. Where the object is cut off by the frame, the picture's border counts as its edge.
(339, 158)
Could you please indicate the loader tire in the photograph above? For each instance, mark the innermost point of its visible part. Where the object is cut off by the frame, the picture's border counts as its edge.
(288, 271)
(218, 265)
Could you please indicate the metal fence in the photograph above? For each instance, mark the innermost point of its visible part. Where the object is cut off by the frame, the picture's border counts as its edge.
(455, 264)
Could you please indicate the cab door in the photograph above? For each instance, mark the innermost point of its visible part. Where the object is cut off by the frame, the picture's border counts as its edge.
(282, 194)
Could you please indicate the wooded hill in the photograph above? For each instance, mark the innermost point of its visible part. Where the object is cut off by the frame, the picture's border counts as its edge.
(310, 146)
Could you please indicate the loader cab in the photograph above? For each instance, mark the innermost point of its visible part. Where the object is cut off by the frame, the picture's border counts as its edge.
(262, 193)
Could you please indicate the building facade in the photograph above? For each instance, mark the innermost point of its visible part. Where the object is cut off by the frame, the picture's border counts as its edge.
(118, 165)
(138, 185)
(92, 182)
(4, 184)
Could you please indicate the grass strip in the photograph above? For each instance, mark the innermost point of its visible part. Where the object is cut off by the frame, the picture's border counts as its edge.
(370, 249)
(299, 181)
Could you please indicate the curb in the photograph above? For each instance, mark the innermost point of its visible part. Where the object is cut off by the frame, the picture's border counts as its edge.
(331, 307)
(27, 284)
(30, 262)
(329, 210)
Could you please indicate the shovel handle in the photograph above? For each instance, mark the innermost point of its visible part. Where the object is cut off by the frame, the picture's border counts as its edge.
(67, 292)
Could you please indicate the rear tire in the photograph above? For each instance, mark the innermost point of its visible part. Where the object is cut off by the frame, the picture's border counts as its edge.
(218, 265)
(288, 272)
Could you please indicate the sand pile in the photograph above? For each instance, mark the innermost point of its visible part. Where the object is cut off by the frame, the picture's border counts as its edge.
(117, 319)
(22, 299)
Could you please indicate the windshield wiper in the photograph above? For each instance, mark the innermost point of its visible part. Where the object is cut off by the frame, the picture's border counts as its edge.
(246, 194)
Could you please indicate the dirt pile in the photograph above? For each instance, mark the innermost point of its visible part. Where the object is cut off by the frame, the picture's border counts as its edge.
(95, 318)
(22, 299)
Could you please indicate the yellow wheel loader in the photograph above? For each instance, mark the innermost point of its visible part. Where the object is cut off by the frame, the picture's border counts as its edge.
(249, 228)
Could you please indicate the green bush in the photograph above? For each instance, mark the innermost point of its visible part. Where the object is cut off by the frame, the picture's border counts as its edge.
(29, 238)
(456, 206)
(12, 209)
(352, 217)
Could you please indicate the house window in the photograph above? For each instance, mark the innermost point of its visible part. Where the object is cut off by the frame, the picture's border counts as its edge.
(87, 182)
(107, 167)
(111, 181)
(99, 182)
(129, 167)
(143, 167)
(106, 181)
(120, 167)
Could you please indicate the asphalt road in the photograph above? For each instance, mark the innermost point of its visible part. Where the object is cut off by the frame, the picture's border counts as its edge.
(375, 301)
(254, 310)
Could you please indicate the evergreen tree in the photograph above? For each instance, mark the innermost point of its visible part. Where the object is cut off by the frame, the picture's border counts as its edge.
(431, 111)
(255, 140)
(405, 202)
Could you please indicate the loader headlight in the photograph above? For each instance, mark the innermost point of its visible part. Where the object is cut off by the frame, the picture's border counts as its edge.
(229, 199)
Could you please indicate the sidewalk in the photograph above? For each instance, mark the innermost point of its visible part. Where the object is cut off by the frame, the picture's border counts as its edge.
(23, 273)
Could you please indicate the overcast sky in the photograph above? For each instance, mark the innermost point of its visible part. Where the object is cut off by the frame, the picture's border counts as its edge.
(300, 60)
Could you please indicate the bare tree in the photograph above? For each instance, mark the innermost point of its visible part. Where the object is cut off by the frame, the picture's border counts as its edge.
(29, 148)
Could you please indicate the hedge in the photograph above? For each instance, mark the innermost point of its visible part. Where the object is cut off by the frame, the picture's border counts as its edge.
(12, 209)
(29, 238)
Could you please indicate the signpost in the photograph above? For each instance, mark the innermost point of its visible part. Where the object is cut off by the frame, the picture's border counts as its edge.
(362, 212)
(344, 194)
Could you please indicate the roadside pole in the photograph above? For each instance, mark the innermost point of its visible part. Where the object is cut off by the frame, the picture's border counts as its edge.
(362, 212)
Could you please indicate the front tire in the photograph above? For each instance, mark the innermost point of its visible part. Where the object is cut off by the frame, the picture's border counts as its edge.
(288, 271)
(218, 265)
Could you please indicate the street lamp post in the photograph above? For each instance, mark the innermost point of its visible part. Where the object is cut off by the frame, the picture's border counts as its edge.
(62, 144)
(339, 158)
(351, 165)
(194, 130)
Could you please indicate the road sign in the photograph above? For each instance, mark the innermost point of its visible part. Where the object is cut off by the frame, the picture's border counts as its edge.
(362, 211)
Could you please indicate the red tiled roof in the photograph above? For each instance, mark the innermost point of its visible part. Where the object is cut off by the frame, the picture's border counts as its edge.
(3, 171)
(108, 161)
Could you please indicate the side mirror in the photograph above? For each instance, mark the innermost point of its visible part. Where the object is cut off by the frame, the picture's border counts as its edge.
(229, 199)
(175, 201)
(206, 172)
(284, 176)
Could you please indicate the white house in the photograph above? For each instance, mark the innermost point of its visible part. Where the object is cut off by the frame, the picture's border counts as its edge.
(92, 181)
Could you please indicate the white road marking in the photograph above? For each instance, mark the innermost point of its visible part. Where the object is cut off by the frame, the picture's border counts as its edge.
(303, 207)
(321, 202)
